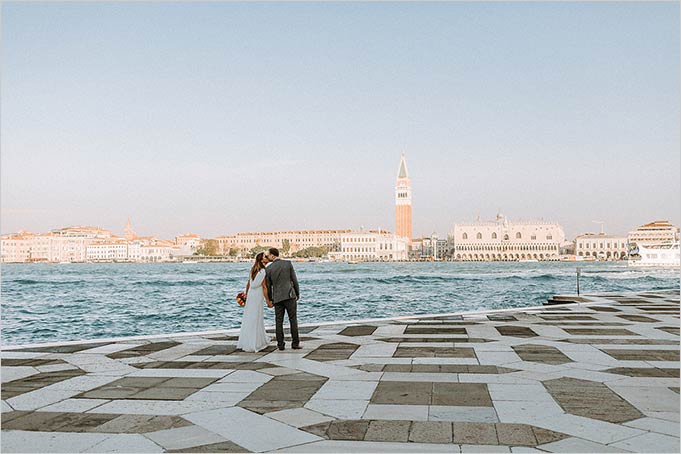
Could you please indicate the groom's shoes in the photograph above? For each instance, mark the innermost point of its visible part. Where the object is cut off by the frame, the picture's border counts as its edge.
(282, 348)
(297, 347)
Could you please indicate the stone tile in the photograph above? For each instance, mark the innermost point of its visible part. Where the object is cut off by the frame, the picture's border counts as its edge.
(474, 433)
(141, 424)
(184, 437)
(643, 355)
(155, 407)
(346, 390)
(358, 330)
(522, 392)
(516, 331)
(431, 432)
(484, 448)
(197, 373)
(74, 405)
(575, 445)
(656, 425)
(299, 417)
(649, 398)
(434, 352)
(126, 443)
(335, 446)
(276, 371)
(16, 373)
(515, 434)
(397, 412)
(462, 414)
(39, 398)
(461, 394)
(21, 441)
(644, 443)
(347, 430)
(224, 446)
(223, 399)
(541, 354)
(394, 431)
(341, 409)
(246, 376)
(264, 434)
(402, 393)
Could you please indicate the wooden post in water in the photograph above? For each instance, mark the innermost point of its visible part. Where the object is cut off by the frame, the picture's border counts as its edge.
(579, 272)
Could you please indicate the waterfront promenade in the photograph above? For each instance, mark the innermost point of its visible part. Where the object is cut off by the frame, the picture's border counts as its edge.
(601, 375)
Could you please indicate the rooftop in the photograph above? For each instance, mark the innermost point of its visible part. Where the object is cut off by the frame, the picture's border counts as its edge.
(599, 375)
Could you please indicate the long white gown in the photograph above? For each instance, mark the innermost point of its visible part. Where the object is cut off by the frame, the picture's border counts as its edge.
(252, 337)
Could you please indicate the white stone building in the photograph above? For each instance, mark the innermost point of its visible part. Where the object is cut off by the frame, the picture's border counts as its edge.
(601, 246)
(504, 240)
(188, 243)
(295, 239)
(656, 232)
(372, 246)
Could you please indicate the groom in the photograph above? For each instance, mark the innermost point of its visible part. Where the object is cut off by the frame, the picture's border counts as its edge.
(282, 286)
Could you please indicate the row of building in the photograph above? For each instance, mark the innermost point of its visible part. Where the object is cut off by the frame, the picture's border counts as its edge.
(498, 240)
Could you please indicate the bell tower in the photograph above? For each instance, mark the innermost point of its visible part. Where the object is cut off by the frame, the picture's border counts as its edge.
(403, 202)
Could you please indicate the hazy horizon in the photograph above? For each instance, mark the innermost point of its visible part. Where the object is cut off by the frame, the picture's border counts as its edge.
(218, 118)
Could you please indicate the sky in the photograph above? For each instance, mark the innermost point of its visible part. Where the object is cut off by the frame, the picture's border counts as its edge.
(217, 118)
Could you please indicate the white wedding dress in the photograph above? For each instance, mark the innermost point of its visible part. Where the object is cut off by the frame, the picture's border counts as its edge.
(252, 337)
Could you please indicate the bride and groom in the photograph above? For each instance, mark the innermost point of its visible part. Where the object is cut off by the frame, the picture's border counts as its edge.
(272, 281)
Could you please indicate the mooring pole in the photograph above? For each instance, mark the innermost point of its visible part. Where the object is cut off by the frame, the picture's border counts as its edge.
(579, 272)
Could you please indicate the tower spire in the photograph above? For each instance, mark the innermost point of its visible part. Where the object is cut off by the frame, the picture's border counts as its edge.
(403, 173)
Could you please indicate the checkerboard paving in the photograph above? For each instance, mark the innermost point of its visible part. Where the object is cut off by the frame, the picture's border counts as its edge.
(599, 375)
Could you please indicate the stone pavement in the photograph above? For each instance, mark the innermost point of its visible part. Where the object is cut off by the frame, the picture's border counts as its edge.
(596, 376)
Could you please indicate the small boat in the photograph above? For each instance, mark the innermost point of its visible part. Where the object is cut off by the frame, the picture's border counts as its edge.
(352, 262)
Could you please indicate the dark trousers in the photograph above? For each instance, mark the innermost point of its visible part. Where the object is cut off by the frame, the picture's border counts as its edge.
(291, 307)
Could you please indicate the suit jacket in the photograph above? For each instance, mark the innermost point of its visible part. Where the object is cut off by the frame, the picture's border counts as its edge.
(282, 283)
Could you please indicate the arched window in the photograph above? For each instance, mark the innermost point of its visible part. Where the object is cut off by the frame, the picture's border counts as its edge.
(465, 236)
(549, 237)
(479, 236)
(518, 236)
(494, 235)
(506, 237)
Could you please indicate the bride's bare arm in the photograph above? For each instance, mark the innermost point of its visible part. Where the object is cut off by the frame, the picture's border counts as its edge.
(266, 293)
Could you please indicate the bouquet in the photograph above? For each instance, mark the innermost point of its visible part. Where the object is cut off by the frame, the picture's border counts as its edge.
(241, 299)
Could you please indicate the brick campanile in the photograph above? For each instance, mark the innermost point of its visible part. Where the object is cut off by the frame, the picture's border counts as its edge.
(403, 202)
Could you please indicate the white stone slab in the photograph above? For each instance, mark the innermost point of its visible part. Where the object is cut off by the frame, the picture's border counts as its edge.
(156, 407)
(346, 390)
(75, 405)
(108, 349)
(299, 417)
(328, 370)
(224, 399)
(378, 349)
(656, 425)
(39, 398)
(263, 434)
(184, 437)
(9, 354)
(82, 382)
(497, 358)
(126, 443)
(648, 398)
(577, 445)
(507, 391)
(25, 441)
(462, 414)
(341, 409)
(16, 373)
(445, 361)
(56, 367)
(484, 448)
(650, 442)
(233, 387)
(397, 412)
(6, 407)
(246, 376)
(586, 428)
(278, 371)
(332, 446)
(667, 416)
(525, 411)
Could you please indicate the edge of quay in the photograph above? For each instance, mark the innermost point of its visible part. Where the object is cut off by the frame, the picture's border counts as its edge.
(568, 300)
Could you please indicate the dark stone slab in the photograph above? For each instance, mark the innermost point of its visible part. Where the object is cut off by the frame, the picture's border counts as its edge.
(223, 446)
(515, 331)
(474, 433)
(637, 318)
(358, 330)
(567, 317)
(515, 434)
(43, 421)
(541, 354)
(348, 430)
(27, 384)
(591, 400)
(403, 393)
(644, 372)
(143, 350)
(643, 355)
(620, 341)
(434, 352)
(501, 318)
(411, 329)
(332, 352)
(266, 406)
(318, 429)
(33, 362)
(216, 350)
(431, 432)
(604, 309)
(544, 436)
(476, 340)
(63, 348)
(389, 431)
(154, 388)
(139, 424)
(461, 394)
(669, 329)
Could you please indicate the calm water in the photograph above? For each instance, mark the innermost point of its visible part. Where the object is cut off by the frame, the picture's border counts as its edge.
(43, 303)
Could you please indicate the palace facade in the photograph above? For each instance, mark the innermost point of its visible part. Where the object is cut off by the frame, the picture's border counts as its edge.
(504, 240)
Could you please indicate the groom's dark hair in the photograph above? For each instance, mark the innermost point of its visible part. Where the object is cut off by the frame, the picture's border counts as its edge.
(274, 251)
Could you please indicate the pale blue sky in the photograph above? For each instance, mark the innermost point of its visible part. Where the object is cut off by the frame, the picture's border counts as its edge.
(178, 114)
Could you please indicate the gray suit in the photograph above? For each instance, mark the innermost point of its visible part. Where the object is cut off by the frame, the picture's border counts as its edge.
(282, 286)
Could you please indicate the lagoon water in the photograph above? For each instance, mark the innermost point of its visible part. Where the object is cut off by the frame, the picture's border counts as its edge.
(46, 303)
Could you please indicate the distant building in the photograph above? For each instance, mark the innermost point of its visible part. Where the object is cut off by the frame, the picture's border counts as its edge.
(188, 243)
(403, 222)
(427, 248)
(602, 246)
(655, 232)
(503, 240)
(288, 242)
(372, 246)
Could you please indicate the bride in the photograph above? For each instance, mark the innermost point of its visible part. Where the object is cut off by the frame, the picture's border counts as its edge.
(252, 337)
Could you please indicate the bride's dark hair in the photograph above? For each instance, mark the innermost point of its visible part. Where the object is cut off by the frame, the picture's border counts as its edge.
(258, 265)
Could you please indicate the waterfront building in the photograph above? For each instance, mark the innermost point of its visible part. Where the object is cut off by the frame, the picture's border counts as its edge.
(114, 249)
(654, 233)
(372, 245)
(16, 247)
(429, 248)
(288, 242)
(503, 240)
(188, 243)
(602, 246)
(403, 222)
